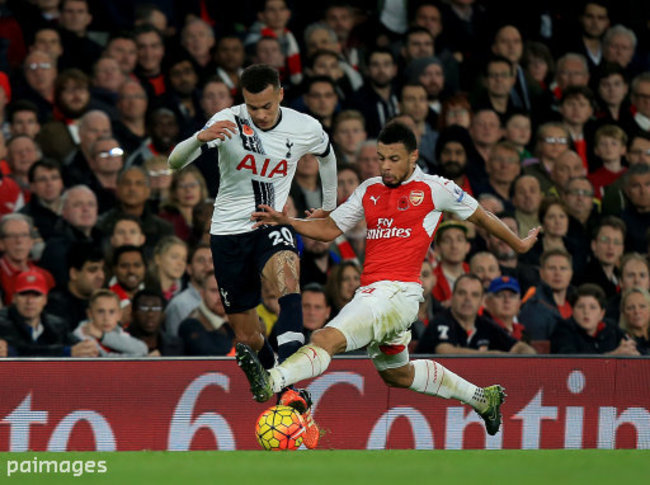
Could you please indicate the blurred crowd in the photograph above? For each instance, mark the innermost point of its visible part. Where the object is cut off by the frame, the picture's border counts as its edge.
(541, 112)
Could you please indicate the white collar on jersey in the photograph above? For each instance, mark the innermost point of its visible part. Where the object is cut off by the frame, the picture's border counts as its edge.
(417, 173)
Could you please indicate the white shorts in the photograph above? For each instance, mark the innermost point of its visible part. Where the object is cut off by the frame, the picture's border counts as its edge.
(379, 316)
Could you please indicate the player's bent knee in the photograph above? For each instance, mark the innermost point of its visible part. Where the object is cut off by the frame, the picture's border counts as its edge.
(400, 377)
(330, 339)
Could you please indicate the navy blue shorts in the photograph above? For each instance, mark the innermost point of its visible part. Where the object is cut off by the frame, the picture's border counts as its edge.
(239, 260)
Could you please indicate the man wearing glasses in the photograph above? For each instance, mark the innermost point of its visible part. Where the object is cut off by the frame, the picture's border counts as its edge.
(16, 242)
(40, 72)
(106, 162)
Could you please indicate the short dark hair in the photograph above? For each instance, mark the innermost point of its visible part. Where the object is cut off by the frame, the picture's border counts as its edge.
(576, 91)
(495, 59)
(468, 276)
(590, 289)
(147, 292)
(396, 132)
(549, 253)
(126, 217)
(416, 29)
(257, 77)
(21, 105)
(46, 163)
(83, 252)
(147, 29)
(126, 249)
(610, 221)
(379, 50)
(319, 79)
(195, 249)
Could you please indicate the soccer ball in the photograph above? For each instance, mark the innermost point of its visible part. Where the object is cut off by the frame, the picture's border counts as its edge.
(279, 428)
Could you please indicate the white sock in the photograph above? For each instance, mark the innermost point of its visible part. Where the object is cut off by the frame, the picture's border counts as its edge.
(433, 379)
(308, 361)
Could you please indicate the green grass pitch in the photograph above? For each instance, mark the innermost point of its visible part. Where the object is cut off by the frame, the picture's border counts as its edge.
(403, 467)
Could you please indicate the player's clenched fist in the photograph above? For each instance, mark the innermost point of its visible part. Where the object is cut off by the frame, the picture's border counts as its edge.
(220, 130)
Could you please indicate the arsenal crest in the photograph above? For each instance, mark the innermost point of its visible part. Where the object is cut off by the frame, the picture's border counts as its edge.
(416, 197)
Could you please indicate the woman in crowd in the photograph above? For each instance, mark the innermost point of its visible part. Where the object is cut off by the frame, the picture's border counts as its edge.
(635, 317)
(186, 191)
(342, 282)
(168, 266)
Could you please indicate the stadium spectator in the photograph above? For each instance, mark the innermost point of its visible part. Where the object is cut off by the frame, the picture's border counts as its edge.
(182, 95)
(315, 309)
(86, 271)
(594, 22)
(147, 325)
(121, 46)
(567, 166)
(273, 18)
(641, 101)
(215, 97)
(339, 17)
(610, 147)
(40, 72)
(180, 306)
(186, 191)
(127, 231)
(78, 49)
(635, 273)
(48, 40)
(198, 39)
(502, 167)
(106, 82)
(578, 197)
(77, 224)
(526, 199)
(499, 82)
(508, 43)
(586, 332)
(151, 51)
(453, 247)
(577, 108)
(518, 132)
(455, 110)
(452, 153)
(103, 329)
(376, 100)
(16, 243)
(321, 100)
(92, 125)
(168, 266)
(485, 265)
(619, 45)
(128, 267)
(554, 217)
(317, 262)
(635, 317)
(502, 305)
(551, 141)
(413, 102)
(163, 128)
(30, 332)
(607, 247)
(23, 119)
(45, 202)
(328, 63)
(22, 153)
(614, 107)
(548, 303)
(461, 330)
(230, 57)
(342, 282)
(485, 131)
(133, 190)
(348, 134)
(636, 214)
(105, 164)
(130, 127)
(368, 160)
(206, 330)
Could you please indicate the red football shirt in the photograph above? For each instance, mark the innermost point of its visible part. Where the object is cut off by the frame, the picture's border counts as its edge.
(401, 222)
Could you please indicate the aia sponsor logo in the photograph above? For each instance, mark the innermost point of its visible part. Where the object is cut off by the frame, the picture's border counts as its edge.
(386, 230)
(265, 168)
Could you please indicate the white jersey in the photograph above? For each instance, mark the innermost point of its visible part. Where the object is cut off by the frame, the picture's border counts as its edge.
(257, 166)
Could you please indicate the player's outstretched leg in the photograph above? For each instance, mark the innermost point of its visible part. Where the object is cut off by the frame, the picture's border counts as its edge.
(258, 377)
(435, 380)
(494, 396)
